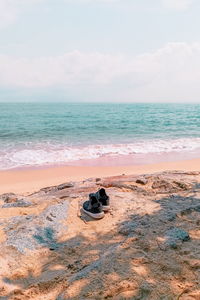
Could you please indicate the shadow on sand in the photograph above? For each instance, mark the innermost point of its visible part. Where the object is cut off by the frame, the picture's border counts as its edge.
(135, 261)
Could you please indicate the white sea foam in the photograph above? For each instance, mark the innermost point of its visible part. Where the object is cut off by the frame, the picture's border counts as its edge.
(44, 154)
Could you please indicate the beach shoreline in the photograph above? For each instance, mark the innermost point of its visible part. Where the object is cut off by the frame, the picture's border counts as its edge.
(29, 180)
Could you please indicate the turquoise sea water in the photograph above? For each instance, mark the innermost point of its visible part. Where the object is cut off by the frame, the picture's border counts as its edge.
(47, 133)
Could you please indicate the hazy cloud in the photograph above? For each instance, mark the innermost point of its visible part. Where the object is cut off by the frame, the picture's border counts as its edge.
(177, 4)
(171, 72)
(11, 9)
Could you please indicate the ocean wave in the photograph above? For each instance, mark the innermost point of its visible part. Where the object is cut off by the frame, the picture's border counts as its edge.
(38, 154)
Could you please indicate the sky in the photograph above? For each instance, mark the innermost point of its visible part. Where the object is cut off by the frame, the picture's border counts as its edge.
(100, 50)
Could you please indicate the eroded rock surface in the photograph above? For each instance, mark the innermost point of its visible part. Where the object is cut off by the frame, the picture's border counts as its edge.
(9, 197)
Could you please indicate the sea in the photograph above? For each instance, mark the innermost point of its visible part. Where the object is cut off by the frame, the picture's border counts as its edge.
(46, 134)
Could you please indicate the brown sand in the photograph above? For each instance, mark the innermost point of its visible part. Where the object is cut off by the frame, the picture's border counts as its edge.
(30, 180)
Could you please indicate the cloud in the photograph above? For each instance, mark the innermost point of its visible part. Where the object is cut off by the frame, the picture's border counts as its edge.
(175, 71)
(70, 69)
(170, 73)
(7, 13)
(10, 10)
(177, 4)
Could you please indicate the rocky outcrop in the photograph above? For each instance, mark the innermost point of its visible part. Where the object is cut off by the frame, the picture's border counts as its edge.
(17, 203)
(9, 197)
(162, 185)
(146, 247)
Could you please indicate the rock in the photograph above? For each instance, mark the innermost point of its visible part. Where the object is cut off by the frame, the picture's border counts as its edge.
(192, 173)
(64, 197)
(58, 187)
(119, 185)
(9, 197)
(98, 179)
(65, 186)
(38, 231)
(169, 186)
(142, 180)
(161, 184)
(181, 185)
(48, 189)
(176, 235)
(49, 219)
(18, 203)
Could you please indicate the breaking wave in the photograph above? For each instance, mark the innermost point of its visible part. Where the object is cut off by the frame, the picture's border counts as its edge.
(41, 154)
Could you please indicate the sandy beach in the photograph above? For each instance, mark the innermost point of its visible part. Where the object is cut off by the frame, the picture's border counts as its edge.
(99, 150)
(29, 180)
